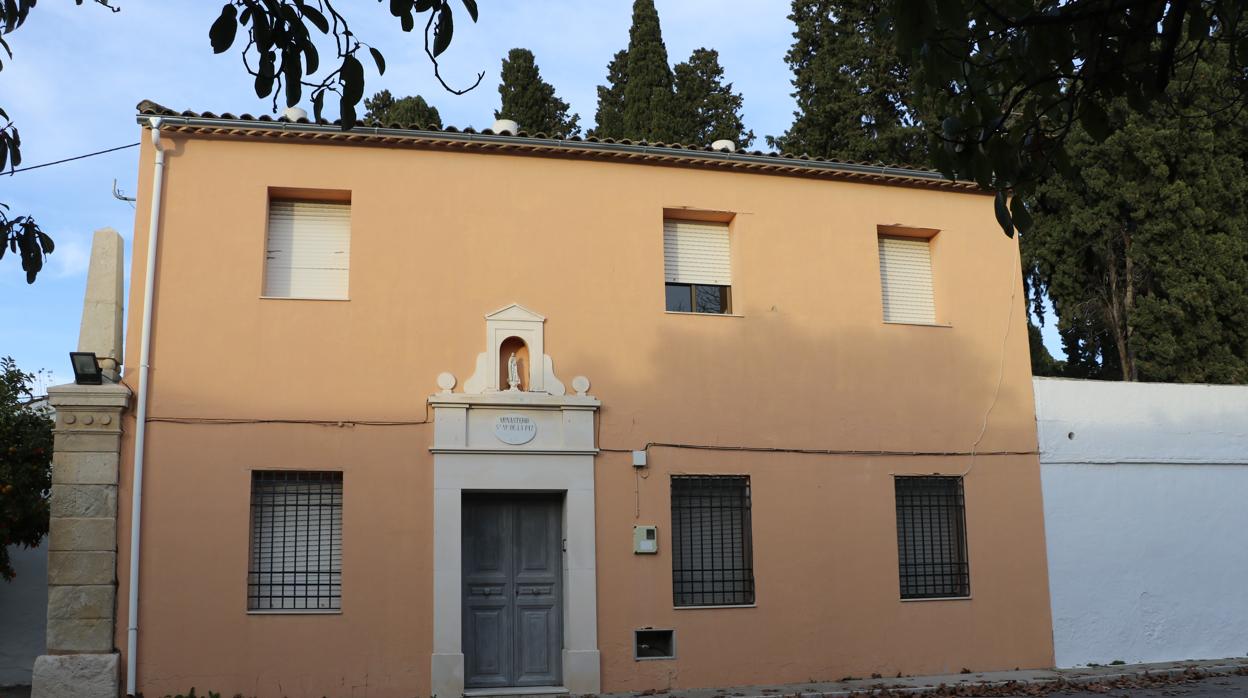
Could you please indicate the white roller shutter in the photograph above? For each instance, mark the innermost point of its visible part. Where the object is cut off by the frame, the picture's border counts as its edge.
(906, 280)
(695, 252)
(307, 250)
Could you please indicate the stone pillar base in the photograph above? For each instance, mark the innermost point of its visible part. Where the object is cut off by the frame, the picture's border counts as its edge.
(447, 675)
(582, 672)
(77, 676)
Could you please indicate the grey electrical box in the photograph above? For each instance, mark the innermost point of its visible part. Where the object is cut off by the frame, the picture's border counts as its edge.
(645, 539)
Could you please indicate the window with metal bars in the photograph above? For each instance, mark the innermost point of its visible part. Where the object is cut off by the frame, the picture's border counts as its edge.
(931, 537)
(296, 541)
(712, 550)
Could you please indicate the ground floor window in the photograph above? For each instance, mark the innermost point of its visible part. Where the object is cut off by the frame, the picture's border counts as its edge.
(931, 537)
(712, 547)
(296, 541)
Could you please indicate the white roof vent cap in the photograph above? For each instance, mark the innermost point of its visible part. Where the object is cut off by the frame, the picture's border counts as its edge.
(505, 126)
(725, 145)
(295, 113)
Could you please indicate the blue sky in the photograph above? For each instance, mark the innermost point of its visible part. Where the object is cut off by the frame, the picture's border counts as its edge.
(78, 72)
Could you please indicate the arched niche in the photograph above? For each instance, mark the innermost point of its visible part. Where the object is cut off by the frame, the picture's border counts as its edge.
(520, 327)
(513, 345)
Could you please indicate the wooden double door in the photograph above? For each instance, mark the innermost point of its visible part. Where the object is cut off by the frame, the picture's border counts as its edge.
(512, 595)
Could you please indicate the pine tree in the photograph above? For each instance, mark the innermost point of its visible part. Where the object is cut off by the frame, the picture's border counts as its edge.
(707, 110)
(852, 91)
(384, 109)
(609, 120)
(648, 96)
(530, 101)
(1144, 252)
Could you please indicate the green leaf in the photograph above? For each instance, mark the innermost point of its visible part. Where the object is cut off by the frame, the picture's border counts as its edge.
(291, 75)
(352, 81)
(347, 115)
(318, 104)
(222, 32)
(45, 242)
(407, 22)
(471, 6)
(398, 8)
(379, 60)
(1021, 216)
(443, 30)
(314, 16)
(265, 74)
(1003, 214)
(311, 57)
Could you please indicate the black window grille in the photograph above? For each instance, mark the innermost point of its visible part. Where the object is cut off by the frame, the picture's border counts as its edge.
(712, 550)
(296, 541)
(931, 537)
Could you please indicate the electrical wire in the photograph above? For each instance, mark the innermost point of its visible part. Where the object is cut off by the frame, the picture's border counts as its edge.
(76, 157)
(1015, 272)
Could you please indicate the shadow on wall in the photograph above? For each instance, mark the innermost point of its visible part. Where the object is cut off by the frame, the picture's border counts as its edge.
(23, 614)
(888, 387)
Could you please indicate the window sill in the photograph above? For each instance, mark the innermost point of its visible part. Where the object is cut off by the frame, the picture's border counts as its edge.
(919, 324)
(685, 312)
(302, 298)
(938, 598)
(705, 608)
(295, 612)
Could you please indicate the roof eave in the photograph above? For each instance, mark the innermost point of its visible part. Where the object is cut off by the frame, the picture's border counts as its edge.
(553, 147)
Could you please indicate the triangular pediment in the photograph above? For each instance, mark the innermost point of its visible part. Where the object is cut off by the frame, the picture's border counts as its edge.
(515, 311)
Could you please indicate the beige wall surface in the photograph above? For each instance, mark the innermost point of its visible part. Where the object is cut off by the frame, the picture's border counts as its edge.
(439, 239)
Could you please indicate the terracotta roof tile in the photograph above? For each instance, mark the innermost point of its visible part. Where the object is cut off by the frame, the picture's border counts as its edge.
(678, 154)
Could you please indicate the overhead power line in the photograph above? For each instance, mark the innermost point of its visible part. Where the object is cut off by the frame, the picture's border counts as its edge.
(76, 157)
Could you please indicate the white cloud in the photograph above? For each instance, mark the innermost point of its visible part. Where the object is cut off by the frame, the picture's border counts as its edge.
(71, 257)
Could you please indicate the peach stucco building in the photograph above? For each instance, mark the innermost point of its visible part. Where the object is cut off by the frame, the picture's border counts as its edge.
(774, 413)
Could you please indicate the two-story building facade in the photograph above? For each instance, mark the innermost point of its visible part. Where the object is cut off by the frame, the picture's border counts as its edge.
(445, 413)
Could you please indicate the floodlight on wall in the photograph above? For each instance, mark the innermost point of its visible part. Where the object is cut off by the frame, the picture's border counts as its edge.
(86, 368)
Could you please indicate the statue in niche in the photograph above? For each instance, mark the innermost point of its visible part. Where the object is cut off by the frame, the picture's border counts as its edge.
(513, 372)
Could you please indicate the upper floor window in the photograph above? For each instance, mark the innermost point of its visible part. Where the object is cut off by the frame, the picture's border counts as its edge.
(307, 250)
(906, 280)
(697, 266)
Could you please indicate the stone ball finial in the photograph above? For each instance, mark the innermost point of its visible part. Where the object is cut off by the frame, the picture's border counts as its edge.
(581, 385)
(446, 381)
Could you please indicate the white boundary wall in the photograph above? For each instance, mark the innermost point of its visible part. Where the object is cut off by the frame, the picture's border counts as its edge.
(1146, 519)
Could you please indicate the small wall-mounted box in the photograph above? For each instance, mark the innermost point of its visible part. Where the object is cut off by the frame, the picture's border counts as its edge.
(645, 539)
(639, 459)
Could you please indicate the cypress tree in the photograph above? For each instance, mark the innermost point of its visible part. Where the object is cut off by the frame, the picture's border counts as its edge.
(384, 109)
(609, 120)
(530, 101)
(706, 108)
(648, 95)
(1144, 251)
(852, 91)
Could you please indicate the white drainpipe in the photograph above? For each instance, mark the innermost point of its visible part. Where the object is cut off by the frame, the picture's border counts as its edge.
(140, 429)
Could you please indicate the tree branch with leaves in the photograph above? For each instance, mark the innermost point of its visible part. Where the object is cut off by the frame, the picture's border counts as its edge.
(281, 55)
